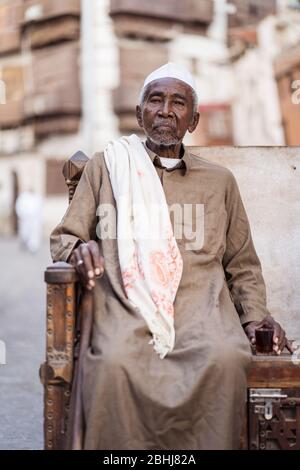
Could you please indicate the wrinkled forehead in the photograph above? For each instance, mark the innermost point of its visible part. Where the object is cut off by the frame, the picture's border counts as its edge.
(170, 86)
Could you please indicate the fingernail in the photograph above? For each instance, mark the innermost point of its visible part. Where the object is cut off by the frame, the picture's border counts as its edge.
(90, 274)
(92, 283)
(276, 339)
(276, 348)
(253, 340)
(279, 352)
(97, 271)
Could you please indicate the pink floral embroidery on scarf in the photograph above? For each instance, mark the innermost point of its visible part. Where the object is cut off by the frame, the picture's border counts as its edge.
(167, 267)
(132, 273)
(175, 263)
(163, 303)
(158, 262)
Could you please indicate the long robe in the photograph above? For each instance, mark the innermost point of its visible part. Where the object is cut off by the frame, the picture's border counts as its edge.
(195, 397)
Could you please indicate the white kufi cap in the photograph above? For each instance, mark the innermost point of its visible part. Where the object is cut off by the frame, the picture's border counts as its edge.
(171, 70)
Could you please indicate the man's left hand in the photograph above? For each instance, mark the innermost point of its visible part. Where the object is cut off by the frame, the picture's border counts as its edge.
(280, 341)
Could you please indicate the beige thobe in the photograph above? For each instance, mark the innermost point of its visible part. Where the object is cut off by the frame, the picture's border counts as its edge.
(194, 398)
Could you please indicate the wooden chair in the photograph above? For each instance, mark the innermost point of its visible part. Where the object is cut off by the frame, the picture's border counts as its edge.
(273, 408)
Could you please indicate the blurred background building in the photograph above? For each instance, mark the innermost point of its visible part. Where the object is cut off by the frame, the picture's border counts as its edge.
(71, 73)
(70, 77)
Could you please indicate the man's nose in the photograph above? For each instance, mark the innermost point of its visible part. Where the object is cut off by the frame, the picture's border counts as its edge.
(166, 109)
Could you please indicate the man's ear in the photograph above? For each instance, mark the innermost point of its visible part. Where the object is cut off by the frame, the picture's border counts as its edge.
(194, 122)
(138, 113)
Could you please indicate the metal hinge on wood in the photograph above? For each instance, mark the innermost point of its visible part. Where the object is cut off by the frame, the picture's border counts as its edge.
(265, 397)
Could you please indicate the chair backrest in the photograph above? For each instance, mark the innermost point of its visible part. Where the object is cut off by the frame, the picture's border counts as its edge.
(268, 178)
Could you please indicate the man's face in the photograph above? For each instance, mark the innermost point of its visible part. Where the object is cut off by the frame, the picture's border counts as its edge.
(168, 112)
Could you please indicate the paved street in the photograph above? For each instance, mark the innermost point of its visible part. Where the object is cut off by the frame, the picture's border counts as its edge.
(22, 315)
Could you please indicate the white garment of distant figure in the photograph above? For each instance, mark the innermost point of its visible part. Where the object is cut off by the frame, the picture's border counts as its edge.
(29, 212)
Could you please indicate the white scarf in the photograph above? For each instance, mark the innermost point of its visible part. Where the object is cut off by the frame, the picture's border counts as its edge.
(151, 267)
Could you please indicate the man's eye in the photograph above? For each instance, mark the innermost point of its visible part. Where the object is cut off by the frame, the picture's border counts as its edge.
(181, 103)
(155, 100)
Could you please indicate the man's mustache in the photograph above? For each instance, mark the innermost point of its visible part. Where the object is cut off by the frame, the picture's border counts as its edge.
(164, 124)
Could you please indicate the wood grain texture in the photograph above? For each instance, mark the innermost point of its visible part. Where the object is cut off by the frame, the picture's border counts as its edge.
(274, 372)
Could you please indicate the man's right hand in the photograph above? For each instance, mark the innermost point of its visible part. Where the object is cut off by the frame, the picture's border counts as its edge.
(88, 262)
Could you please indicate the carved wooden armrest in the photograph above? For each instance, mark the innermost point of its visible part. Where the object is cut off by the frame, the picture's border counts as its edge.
(62, 334)
(57, 372)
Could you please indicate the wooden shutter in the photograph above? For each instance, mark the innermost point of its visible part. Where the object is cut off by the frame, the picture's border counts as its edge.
(251, 11)
(215, 125)
(178, 10)
(12, 112)
(55, 81)
(37, 10)
(48, 22)
(11, 12)
(156, 20)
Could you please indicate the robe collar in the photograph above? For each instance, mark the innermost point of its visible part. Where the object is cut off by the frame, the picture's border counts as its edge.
(184, 162)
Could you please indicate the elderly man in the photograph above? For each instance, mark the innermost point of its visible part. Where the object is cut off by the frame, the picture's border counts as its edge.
(166, 368)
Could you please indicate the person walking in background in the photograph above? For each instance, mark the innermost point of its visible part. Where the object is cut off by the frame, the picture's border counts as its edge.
(29, 212)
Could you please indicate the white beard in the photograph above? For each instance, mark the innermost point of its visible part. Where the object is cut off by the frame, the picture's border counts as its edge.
(164, 139)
